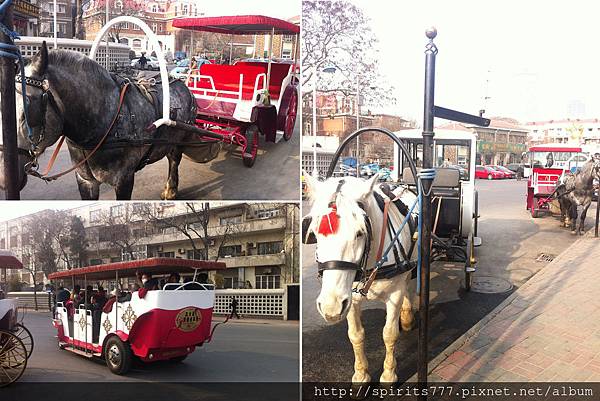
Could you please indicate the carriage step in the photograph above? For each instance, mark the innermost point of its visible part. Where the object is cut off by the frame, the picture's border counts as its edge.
(470, 269)
(278, 136)
(78, 351)
(477, 241)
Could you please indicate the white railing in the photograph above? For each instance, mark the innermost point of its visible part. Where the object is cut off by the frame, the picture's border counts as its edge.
(260, 303)
(117, 52)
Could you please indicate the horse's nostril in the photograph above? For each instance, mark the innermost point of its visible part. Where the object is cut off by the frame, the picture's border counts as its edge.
(319, 307)
(344, 305)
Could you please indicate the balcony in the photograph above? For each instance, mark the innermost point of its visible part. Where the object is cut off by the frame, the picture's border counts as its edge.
(254, 260)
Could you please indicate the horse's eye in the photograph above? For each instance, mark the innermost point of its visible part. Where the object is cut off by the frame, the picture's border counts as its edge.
(359, 234)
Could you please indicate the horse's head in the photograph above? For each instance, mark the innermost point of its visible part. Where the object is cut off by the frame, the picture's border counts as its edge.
(340, 226)
(44, 113)
(596, 166)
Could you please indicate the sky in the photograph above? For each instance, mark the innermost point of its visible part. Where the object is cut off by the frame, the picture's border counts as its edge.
(537, 60)
(11, 210)
(279, 9)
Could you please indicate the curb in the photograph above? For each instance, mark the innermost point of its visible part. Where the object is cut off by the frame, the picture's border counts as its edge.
(460, 341)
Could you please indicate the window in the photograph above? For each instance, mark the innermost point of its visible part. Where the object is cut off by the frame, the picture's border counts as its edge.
(198, 254)
(268, 213)
(286, 54)
(154, 27)
(137, 42)
(230, 220)
(95, 216)
(264, 282)
(166, 254)
(230, 250)
(136, 28)
(2, 243)
(288, 38)
(125, 25)
(117, 211)
(154, 8)
(270, 248)
(175, 10)
(62, 27)
(14, 237)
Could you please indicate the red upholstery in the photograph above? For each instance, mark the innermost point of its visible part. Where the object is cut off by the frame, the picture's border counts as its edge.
(278, 73)
(227, 77)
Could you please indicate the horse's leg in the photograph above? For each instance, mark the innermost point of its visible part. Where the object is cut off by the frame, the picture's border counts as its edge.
(406, 313)
(356, 334)
(581, 230)
(391, 332)
(89, 189)
(573, 217)
(170, 191)
(124, 187)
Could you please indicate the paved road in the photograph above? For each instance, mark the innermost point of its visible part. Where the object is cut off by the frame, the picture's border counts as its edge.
(240, 352)
(512, 240)
(275, 176)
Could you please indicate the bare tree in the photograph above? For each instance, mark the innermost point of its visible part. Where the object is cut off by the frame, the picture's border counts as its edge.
(119, 227)
(133, 8)
(337, 34)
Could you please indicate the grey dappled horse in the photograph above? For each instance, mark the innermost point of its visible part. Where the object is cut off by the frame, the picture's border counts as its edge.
(577, 190)
(83, 101)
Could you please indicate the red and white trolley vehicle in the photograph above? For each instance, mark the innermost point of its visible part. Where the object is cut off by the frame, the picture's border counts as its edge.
(549, 163)
(249, 97)
(163, 324)
(16, 342)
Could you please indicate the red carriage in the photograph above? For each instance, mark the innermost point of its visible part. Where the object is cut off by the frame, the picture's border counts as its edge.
(166, 323)
(241, 100)
(549, 162)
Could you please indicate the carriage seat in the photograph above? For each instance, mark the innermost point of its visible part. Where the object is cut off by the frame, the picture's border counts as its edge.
(279, 72)
(446, 182)
(227, 78)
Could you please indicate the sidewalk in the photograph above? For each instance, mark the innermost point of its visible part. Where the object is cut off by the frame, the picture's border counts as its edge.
(547, 330)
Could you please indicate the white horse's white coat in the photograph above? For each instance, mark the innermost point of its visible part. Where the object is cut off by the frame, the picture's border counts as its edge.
(336, 299)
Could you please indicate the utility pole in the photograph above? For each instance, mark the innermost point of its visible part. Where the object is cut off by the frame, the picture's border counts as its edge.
(8, 109)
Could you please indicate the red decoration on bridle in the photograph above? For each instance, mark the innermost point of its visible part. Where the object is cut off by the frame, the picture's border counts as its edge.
(330, 222)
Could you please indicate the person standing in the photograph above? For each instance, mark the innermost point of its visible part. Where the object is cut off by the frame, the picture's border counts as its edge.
(234, 304)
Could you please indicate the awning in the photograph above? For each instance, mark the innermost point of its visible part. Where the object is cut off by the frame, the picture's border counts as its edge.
(238, 25)
(154, 266)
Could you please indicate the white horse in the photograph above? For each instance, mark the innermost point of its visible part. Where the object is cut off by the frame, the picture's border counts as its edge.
(344, 239)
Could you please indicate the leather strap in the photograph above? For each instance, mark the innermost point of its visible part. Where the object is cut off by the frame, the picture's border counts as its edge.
(85, 159)
(337, 265)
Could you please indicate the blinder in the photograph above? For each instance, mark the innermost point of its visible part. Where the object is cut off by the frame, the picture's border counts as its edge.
(308, 237)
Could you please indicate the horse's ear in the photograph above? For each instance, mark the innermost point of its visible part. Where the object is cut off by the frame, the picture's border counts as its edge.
(40, 60)
(311, 183)
(369, 185)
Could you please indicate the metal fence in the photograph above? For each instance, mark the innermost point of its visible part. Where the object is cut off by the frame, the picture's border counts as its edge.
(258, 303)
(117, 52)
(26, 300)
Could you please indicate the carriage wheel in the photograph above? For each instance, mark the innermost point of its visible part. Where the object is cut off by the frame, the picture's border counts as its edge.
(476, 215)
(290, 118)
(469, 263)
(25, 336)
(13, 358)
(118, 356)
(535, 211)
(249, 153)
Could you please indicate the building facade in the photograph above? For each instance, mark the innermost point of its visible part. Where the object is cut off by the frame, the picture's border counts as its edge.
(26, 17)
(503, 142)
(572, 131)
(257, 242)
(64, 18)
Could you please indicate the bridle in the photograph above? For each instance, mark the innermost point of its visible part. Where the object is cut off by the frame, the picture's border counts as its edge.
(365, 275)
(361, 266)
(46, 97)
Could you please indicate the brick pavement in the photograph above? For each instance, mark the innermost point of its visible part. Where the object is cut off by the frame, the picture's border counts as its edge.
(548, 330)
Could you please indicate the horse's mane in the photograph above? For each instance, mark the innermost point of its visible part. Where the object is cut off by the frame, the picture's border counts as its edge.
(78, 60)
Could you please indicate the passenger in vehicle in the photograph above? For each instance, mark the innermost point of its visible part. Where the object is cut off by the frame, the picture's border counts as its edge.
(174, 278)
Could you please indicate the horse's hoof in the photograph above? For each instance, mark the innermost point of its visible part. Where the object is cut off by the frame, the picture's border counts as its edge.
(388, 377)
(360, 377)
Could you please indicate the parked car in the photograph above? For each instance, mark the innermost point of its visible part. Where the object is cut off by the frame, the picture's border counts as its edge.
(507, 172)
(463, 173)
(488, 173)
(186, 62)
(514, 167)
